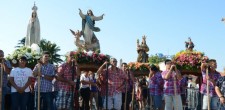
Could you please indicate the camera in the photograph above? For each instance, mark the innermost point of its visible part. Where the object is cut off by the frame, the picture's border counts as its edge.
(173, 68)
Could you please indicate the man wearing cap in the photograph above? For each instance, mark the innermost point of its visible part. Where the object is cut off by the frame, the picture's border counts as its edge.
(20, 79)
(6, 70)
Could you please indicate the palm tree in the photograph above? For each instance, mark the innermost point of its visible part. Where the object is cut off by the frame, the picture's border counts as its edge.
(52, 48)
(21, 43)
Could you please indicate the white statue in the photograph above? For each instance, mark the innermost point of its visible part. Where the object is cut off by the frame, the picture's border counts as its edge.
(33, 29)
(88, 28)
(94, 46)
(79, 43)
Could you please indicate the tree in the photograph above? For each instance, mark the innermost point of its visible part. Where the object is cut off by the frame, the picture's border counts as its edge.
(156, 59)
(52, 48)
(21, 43)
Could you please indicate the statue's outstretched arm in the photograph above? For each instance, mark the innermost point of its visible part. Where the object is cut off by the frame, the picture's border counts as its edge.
(97, 18)
(81, 14)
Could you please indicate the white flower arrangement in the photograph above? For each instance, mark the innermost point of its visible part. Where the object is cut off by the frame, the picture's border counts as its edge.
(14, 61)
(31, 55)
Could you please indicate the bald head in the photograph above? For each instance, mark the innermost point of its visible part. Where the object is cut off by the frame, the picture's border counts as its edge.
(113, 61)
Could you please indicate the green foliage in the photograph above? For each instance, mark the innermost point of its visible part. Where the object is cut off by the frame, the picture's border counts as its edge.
(21, 43)
(53, 49)
(33, 56)
(155, 59)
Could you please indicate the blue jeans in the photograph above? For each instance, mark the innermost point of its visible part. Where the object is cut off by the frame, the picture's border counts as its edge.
(4, 91)
(213, 102)
(114, 101)
(55, 93)
(19, 100)
(221, 107)
(157, 100)
(172, 101)
(46, 101)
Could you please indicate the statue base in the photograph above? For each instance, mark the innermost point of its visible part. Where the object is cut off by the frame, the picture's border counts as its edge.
(89, 67)
(188, 72)
(138, 73)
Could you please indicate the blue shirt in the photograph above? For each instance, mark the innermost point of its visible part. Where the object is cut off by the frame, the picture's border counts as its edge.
(45, 85)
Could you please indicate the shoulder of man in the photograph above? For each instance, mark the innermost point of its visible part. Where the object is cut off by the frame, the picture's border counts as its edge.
(217, 73)
(7, 62)
(28, 69)
(14, 69)
(51, 65)
(164, 72)
(221, 79)
(63, 65)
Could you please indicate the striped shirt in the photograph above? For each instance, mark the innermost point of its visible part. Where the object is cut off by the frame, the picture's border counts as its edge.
(45, 85)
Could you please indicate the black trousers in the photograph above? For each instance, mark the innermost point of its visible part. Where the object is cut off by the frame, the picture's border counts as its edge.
(85, 94)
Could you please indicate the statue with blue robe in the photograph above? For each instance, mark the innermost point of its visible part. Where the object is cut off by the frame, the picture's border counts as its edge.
(88, 29)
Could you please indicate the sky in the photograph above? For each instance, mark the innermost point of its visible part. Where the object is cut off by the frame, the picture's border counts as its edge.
(166, 23)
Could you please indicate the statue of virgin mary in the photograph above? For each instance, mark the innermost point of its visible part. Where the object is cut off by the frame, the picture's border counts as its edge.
(33, 29)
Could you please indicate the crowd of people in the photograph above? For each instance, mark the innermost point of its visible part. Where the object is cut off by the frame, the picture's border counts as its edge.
(67, 88)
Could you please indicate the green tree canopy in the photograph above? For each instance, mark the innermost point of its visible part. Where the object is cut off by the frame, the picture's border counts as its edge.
(21, 43)
(155, 59)
(53, 49)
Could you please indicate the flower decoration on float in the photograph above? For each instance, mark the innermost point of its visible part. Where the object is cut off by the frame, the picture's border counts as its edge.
(32, 55)
(189, 60)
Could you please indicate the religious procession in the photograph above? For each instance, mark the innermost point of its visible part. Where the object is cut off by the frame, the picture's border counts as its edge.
(90, 80)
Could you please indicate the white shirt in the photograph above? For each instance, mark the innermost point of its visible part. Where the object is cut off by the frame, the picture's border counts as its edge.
(21, 76)
(84, 78)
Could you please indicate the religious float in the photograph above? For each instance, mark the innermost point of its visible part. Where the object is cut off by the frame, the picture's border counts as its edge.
(189, 61)
(141, 66)
(90, 61)
(31, 53)
(88, 54)
(30, 48)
